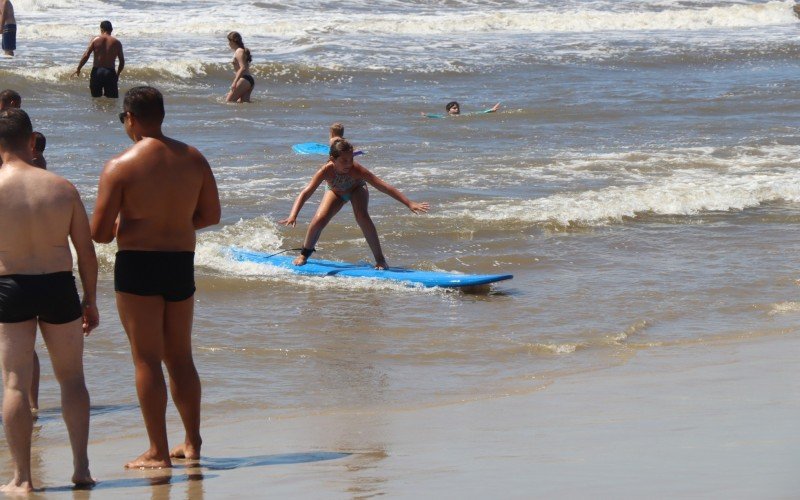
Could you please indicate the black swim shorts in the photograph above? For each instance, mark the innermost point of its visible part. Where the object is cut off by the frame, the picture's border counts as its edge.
(169, 274)
(103, 81)
(53, 298)
(9, 37)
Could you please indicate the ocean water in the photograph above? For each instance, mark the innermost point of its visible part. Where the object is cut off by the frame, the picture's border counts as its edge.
(640, 181)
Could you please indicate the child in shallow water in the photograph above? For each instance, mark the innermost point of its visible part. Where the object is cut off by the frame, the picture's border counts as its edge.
(346, 181)
(336, 133)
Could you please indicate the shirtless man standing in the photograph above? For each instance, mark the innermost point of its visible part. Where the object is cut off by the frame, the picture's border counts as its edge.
(11, 99)
(8, 24)
(153, 197)
(40, 212)
(106, 50)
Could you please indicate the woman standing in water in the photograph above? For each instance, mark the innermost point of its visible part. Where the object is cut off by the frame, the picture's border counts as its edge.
(243, 82)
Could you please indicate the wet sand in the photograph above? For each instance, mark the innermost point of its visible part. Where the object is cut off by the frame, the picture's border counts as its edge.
(700, 420)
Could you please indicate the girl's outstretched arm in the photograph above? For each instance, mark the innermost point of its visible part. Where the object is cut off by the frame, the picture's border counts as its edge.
(303, 197)
(392, 191)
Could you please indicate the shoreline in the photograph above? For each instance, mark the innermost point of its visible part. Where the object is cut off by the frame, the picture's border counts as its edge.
(690, 421)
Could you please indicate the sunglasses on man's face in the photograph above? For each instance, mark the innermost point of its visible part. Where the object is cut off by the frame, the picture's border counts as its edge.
(122, 117)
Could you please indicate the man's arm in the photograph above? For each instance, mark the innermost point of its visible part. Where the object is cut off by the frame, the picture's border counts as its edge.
(81, 237)
(107, 207)
(121, 57)
(85, 57)
(208, 210)
(3, 13)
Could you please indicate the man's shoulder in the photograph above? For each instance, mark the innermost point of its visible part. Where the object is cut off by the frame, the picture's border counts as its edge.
(45, 181)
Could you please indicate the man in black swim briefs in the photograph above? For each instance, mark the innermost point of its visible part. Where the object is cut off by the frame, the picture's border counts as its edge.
(152, 198)
(8, 25)
(106, 50)
(40, 213)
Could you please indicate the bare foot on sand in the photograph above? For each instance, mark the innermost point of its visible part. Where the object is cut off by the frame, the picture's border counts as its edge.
(149, 460)
(83, 479)
(187, 451)
(17, 488)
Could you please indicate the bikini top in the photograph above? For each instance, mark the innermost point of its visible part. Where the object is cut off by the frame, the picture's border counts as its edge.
(344, 183)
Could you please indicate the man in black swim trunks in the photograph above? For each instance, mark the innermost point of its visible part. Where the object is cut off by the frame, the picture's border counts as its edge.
(40, 213)
(106, 50)
(152, 198)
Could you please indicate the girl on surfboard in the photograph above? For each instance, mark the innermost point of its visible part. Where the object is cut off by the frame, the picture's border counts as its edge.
(346, 180)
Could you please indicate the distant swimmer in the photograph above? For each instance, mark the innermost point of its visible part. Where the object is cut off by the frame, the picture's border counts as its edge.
(454, 109)
(9, 25)
(39, 143)
(152, 198)
(41, 213)
(106, 50)
(346, 181)
(243, 81)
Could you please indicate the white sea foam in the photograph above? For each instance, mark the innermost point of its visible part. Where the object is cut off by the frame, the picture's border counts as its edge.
(784, 308)
(683, 193)
(215, 18)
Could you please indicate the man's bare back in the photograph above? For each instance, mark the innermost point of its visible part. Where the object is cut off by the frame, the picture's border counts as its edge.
(106, 50)
(7, 13)
(159, 186)
(37, 215)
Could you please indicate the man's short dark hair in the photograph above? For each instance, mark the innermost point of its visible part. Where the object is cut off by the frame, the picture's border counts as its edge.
(451, 104)
(9, 96)
(41, 141)
(145, 103)
(106, 26)
(15, 129)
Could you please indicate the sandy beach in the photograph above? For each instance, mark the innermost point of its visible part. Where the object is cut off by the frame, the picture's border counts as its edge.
(688, 421)
(640, 180)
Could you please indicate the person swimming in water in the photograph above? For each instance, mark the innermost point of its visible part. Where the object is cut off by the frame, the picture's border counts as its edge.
(243, 81)
(346, 181)
(452, 108)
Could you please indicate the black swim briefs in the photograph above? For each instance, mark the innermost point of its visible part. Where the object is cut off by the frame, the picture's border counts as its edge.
(9, 37)
(103, 81)
(169, 274)
(53, 298)
(249, 79)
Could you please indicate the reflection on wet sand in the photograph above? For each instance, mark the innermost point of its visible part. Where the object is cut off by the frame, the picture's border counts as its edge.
(229, 463)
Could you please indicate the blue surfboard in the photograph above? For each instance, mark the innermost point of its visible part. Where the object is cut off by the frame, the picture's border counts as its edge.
(316, 148)
(316, 267)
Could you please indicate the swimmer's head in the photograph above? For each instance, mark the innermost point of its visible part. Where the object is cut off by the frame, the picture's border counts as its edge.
(40, 142)
(235, 42)
(15, 130)
(146, 104)
(105, 27)
(10, 99)
(452, 108)
(337, 130)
